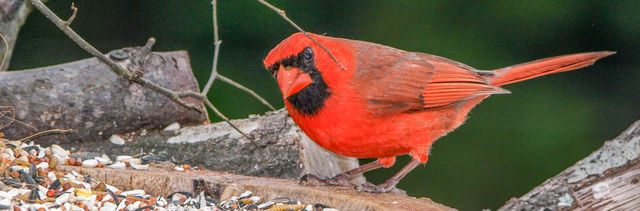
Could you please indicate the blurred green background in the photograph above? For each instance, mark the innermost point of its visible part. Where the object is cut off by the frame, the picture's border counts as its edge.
(510, 144)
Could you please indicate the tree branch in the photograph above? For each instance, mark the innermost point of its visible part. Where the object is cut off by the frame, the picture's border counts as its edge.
(79, 40)
(216, 111)
(214, 69)
(216, 43)
(73, 15)
(64, 27)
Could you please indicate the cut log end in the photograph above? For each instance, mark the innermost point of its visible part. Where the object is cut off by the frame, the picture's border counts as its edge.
(223, 186)
(608, 179)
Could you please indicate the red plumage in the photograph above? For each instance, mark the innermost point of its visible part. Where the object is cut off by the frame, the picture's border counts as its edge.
(390, 102)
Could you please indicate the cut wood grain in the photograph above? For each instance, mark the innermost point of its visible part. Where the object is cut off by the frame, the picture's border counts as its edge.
(224, 185)
(620, 191)
(607, 179)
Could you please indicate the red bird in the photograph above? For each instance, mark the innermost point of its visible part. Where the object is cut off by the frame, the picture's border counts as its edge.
(387, 102)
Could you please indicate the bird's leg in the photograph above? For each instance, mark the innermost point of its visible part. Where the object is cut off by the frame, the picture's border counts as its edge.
(390, 184)
(341, 179)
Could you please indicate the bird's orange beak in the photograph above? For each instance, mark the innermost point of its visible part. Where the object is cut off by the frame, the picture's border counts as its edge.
(292, 80)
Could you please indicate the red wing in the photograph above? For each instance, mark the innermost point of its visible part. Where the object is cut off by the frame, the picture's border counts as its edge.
(395, 81)
(452, 84)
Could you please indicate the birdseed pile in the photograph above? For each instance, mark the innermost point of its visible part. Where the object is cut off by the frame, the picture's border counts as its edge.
(30, 181)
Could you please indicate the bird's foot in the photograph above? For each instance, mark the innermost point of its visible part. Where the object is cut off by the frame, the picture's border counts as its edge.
(381, 188)
(338, 180)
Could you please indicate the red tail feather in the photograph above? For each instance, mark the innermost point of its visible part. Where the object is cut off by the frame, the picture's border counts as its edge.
(545, 66)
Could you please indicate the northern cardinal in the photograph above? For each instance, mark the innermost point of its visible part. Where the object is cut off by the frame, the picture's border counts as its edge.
(387, 102)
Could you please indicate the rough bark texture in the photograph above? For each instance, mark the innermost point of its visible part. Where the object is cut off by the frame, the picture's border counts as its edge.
(287, 152)
(608, 179)
(13, 13)
(224, 185)
(89, 98)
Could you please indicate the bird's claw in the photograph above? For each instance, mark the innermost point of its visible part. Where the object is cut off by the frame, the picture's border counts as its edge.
(338, 180)
(381, 188)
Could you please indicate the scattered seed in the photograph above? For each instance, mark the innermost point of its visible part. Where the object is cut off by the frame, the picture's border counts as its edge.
(29, 148)
(113, 195)
(34, 195)
(27, 178)
(145, 207)
(187, 194)
(50, 189)
(32, 171)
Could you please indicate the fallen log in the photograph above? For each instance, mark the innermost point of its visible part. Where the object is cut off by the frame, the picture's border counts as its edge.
(607, 179)
(286, 152)
(87, 97)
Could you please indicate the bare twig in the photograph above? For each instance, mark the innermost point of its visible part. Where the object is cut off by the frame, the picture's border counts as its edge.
(77, 39)
(214, 68)
(284, 16)
(12, 118)
(6, 51)
(243, 88)
(216, 111)
(62, 25)
(216, 43)
(46, 132)
(73, 15)
(175, 96)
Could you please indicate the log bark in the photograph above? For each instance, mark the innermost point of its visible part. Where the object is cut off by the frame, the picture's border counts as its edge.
(607, 179)
(87, 97)
(13, 14)
(286, 151)
(223, 185)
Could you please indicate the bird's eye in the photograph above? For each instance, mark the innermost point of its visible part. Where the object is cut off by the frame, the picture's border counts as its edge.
(273, 69)
(307, 53)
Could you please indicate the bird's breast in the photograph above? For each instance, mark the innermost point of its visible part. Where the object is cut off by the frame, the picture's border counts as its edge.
(345, 126)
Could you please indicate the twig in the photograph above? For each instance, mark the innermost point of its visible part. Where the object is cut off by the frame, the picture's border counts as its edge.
(284, 16)
(46, 132)
(166, 92)
(12, 118)
(77, 39)
(175, 96)
(214, 68)
(6, 51)
(216, 111)
(216, 43)
(73, 15)
(114, 66)
(243, 88)
(146, 49)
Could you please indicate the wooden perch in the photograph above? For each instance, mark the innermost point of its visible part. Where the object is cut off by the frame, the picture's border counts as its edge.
(87, 97)
(287, 152)
(607, 179)
(224, 185)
